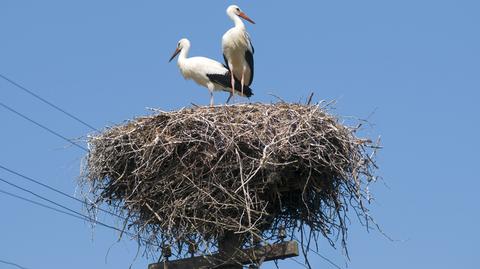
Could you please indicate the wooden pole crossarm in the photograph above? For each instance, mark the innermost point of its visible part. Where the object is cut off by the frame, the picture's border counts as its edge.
(267, 253)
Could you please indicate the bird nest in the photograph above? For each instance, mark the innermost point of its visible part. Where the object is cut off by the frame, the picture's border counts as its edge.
(190, 176)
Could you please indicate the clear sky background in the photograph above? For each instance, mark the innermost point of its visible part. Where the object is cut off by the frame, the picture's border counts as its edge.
(411, 67)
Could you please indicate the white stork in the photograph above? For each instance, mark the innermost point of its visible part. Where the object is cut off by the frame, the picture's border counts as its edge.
(238, 50)
(206, 72)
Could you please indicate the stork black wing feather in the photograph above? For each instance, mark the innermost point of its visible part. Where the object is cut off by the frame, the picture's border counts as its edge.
(224, 80)
(249, 58)
(226, 62)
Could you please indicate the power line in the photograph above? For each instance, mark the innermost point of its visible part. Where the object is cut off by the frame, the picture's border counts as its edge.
(76, 215)
(43, 126)
(41, 197)
(295, 260)
(69, 212)
(325, 258)
(316, 252)
(59, 205)
(46, 102)
(58, 191)
(40, 204)
(13, 264)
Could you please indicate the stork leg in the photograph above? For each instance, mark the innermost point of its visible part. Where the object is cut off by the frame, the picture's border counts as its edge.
(243, 80)
(232, 81)
(211, 98)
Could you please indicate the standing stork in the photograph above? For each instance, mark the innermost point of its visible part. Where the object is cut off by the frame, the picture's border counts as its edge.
(206, 72)
(238, 50)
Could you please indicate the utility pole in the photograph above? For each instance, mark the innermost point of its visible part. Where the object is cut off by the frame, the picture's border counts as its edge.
(227, 246)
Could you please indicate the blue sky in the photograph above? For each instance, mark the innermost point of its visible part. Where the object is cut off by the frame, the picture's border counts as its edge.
(411, 67)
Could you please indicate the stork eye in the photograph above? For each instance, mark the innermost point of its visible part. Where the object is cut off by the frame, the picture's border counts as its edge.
(238, 9)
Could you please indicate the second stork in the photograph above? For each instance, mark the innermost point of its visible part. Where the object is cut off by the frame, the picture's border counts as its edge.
(238, 50)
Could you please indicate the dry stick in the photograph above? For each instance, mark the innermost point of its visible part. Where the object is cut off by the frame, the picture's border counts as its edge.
(310, 99)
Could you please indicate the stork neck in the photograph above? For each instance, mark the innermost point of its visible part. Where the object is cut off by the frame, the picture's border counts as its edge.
(237, 21)
(183, 53)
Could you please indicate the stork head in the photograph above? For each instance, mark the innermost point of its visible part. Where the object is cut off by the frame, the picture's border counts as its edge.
(182, 44)
(234, 10)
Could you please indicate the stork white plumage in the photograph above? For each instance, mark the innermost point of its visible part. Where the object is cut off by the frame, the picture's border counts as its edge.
(238, 50)
(206, 72)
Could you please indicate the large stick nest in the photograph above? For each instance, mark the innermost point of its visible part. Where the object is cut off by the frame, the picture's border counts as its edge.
(191, 175)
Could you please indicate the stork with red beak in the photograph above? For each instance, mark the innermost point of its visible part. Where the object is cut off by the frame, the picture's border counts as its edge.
(206, 72)
(238, 50)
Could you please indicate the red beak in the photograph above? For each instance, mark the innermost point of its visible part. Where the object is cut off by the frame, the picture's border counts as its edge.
(244, 16)
(177, 51)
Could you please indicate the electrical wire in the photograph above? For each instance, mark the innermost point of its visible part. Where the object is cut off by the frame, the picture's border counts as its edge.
(58, 191)
(325, 258)
(11, 81)
(41, 197)
(295, 260)
(41, 205)
(320, 255)
(43, 126)
(68, 211)
(76, 215)
(13, 264)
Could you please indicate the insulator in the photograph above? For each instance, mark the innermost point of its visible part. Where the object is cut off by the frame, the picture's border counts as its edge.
(192, 248)
(167, 251)
(282, 233)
